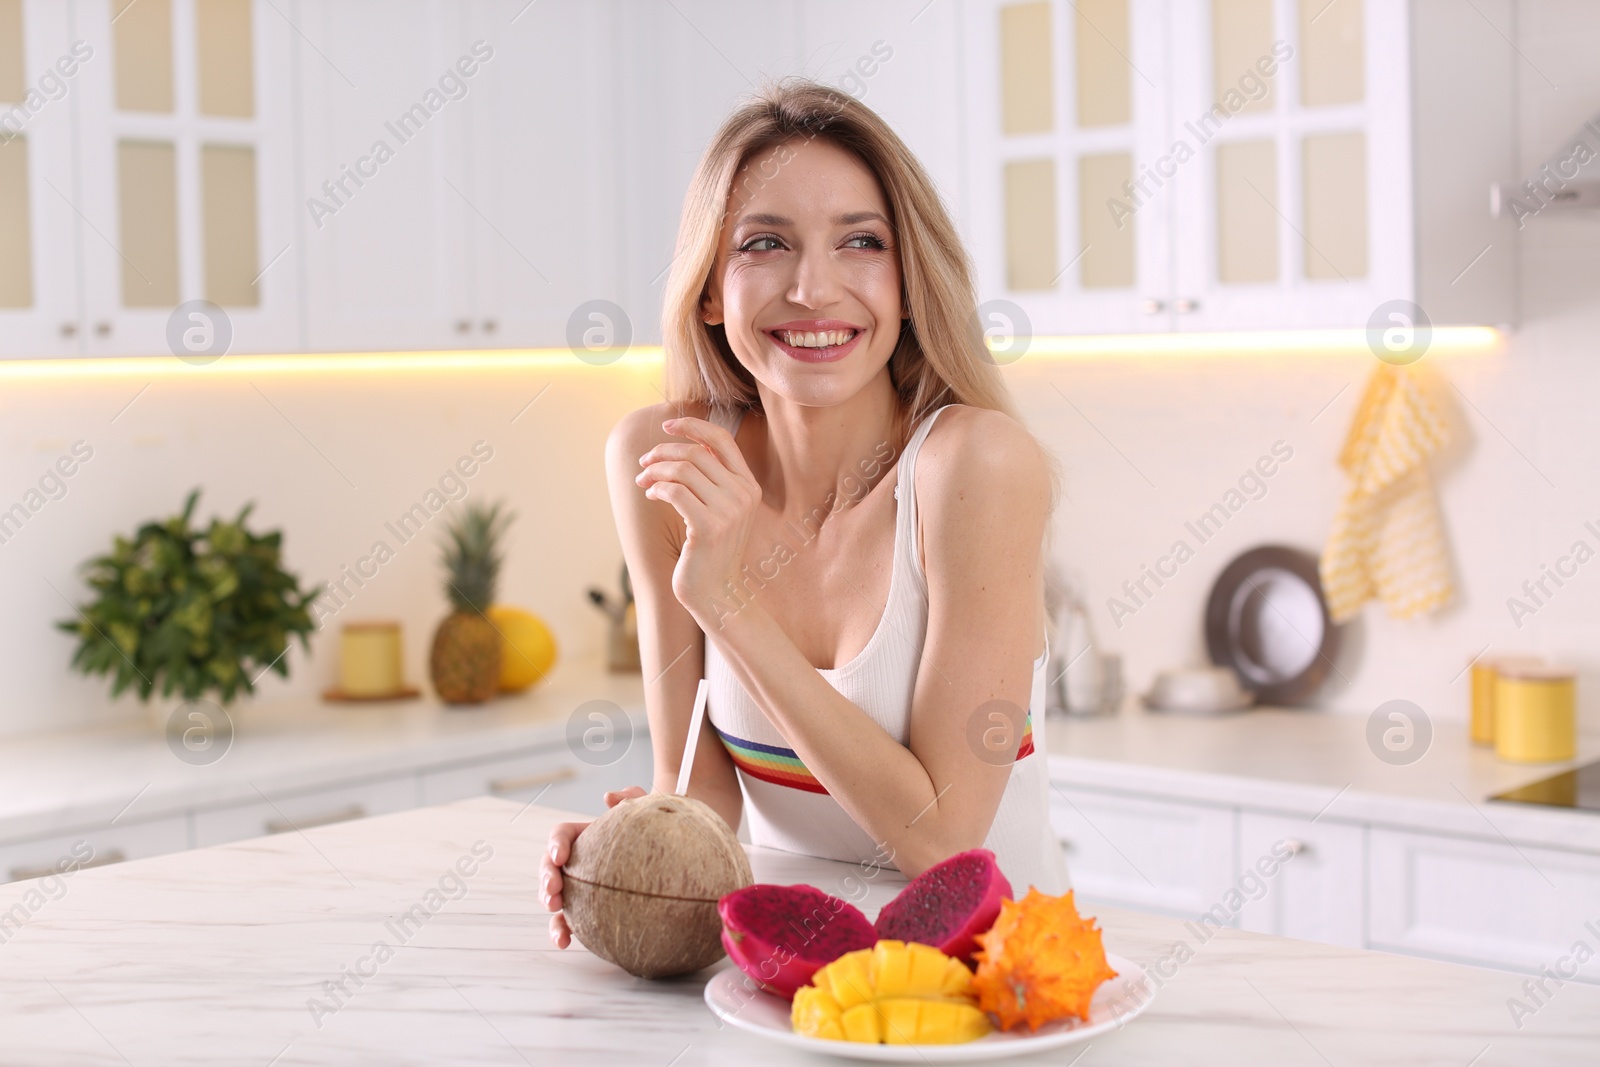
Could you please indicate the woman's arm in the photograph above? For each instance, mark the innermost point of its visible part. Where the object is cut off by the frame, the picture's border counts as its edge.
(671, 645)
(983, 500)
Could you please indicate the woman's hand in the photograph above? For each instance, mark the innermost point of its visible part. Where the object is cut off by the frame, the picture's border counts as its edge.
(550, 864)
(707, 481)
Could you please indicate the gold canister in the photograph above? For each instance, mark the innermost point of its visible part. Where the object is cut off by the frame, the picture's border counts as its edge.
(370, 658)
(1535, 713)
(1484, 674)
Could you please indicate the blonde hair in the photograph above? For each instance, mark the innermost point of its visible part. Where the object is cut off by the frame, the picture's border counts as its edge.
(941, 357)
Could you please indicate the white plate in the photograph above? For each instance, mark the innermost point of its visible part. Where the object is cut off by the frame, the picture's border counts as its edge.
(1239, 703)
(1115, 1002)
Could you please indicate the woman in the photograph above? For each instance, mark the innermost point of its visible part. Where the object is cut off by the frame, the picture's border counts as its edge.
(836, 513)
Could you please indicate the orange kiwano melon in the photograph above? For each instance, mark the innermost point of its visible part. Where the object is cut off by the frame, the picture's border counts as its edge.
(1039, 962)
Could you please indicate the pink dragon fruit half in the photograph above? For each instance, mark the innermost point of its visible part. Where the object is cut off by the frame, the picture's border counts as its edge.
(781, 935)
(949, 904)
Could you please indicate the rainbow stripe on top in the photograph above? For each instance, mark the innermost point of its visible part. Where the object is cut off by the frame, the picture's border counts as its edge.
(780, 766)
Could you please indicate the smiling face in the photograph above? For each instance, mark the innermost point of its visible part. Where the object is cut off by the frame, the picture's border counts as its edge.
(807, 275)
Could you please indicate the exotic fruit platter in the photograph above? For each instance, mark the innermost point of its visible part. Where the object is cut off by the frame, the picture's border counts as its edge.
(955, 967)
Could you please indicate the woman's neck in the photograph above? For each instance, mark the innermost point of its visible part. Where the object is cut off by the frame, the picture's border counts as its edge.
(819, 460)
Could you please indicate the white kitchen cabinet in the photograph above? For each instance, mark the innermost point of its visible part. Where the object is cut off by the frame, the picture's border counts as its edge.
(278, 814)
(160, 175)
(41, 79)
(1318, 893)
(555, 777)
(1479, 901)
(460, 178)
(1239, 164)
(542, 231)
(94, 847)
(1155, 855)
(381, 222)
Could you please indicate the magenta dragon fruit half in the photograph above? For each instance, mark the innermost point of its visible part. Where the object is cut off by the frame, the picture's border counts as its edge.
(948, 905)
(781, 935)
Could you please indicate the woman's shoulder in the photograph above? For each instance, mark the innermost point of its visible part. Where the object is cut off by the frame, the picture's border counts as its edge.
(967, 443)
(983, 480)
(639, 429)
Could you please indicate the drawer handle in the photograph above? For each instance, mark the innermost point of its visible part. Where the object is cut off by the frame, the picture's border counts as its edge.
(1297, 847)
(283, 826)
(22, 874)
(529, 781)
(1067, 846)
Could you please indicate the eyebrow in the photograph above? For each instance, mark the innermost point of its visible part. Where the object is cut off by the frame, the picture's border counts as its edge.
(850, 219)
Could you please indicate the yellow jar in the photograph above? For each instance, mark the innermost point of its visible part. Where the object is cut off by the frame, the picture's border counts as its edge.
(1484, 674)
(1535, 713)
(370, 659)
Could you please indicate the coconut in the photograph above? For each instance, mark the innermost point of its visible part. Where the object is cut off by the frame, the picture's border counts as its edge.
(641, 886)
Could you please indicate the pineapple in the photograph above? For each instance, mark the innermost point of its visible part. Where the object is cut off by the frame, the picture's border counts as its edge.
(465, 661)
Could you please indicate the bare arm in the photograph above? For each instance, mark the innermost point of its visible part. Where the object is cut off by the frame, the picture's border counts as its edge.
(671, 644)
(671, 653)
(983, 500)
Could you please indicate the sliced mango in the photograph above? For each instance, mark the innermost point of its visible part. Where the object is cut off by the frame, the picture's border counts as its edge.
(893, 993)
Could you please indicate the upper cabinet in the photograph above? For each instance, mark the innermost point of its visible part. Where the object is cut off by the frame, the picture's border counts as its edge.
(183, 157)
(458, 172)
(1142, 165)
(143, 171)
(38, 282)
(441, 174)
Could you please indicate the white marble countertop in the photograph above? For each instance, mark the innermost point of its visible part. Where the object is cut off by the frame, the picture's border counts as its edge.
(1309, 762)
(220, 955)
(67, 781)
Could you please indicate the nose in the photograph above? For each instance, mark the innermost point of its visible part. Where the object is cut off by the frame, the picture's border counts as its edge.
(816, 283)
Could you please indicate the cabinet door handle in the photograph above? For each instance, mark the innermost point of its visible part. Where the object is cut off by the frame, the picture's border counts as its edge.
(110, 856)
(1185, 306)
(490, 325)
(1297, 847)
(463, 326)
(1152, 306)
(283, 826)
(69, 329)
(102, 329)
(1067, 845)
(528, 781)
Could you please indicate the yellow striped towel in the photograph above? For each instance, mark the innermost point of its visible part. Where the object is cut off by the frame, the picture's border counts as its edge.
(1388, 540)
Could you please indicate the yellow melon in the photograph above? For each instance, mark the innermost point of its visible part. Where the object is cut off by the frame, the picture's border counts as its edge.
(527, 647)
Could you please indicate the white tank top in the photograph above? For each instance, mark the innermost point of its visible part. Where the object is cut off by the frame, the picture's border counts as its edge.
(787, 808)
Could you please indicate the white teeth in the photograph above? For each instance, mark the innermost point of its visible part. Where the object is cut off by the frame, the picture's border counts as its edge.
(815, 339)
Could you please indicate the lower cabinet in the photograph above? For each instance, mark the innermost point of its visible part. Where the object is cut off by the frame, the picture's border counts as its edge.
(553, 777)
(1486, 902)
(1302, 879)
(93, 848)
(1155, 855)
(301, 811)
(1466, 900)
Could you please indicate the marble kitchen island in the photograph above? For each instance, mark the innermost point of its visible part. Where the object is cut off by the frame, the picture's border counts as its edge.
(293, 949)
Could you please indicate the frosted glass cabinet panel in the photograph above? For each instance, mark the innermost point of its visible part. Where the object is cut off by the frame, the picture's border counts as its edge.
(16, 225)
(1030, 205)
(1247, 212)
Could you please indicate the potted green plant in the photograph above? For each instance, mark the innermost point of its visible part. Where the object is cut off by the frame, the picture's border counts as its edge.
(196, 612)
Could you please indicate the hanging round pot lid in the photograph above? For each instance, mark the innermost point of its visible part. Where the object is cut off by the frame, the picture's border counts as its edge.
(1268, 620)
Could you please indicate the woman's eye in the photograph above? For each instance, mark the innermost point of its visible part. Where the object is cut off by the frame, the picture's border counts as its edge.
(759, 244)
(872, 241)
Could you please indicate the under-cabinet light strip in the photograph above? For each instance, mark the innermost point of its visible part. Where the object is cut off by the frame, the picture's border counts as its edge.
(1445, 341)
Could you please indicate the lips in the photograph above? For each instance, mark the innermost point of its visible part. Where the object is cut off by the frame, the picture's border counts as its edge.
(816, 340)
